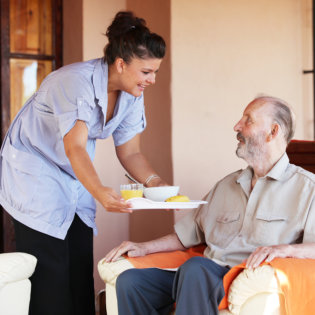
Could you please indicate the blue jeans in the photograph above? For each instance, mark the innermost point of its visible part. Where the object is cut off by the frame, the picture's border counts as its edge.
(197, 288)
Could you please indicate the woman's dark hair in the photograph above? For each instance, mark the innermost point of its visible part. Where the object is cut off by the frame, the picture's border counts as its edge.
(128, 37)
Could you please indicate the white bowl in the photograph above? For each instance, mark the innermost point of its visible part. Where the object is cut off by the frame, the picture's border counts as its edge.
(160, 193)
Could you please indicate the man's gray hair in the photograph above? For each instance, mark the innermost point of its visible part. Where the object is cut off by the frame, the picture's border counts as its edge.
(283, 115)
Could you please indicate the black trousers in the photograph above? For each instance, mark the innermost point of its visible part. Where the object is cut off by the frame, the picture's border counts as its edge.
(62, 283)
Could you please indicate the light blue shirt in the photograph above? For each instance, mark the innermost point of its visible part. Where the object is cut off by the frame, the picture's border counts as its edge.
(38, 185)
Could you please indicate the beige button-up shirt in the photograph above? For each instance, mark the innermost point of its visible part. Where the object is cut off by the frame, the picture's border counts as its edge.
(279, 210)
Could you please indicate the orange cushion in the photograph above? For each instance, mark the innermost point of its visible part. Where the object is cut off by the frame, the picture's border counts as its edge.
(296, 277)
(166, 260)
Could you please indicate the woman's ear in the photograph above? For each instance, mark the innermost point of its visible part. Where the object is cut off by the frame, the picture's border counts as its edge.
(119, 64)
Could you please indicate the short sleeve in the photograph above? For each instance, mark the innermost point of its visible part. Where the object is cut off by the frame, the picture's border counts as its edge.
(133, 123)
(71, 98)
(188, 229)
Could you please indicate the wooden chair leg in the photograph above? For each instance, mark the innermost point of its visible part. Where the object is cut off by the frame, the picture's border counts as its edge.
(101, 303)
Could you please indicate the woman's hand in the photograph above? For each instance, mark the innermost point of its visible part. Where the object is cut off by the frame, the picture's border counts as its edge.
(156, 182)
(111, 201)
(132, 249)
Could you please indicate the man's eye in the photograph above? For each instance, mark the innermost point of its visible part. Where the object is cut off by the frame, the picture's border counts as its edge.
(144, 72)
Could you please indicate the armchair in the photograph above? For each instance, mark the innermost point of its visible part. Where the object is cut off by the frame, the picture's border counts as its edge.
(285, 286)
(251, 292)
(15, 287)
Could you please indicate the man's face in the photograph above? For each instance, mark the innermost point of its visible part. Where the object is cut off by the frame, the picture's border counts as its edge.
(253, 130)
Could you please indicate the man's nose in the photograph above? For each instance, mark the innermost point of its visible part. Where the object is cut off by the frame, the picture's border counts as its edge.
(237, 127)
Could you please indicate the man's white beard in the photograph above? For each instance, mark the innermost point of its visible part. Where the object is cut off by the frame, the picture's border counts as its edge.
(252, 150)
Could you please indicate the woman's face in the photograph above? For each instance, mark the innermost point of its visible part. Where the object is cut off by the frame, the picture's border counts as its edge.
(138, 74)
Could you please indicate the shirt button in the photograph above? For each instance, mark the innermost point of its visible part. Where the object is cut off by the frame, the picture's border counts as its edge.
(14, 156)
(73, 201)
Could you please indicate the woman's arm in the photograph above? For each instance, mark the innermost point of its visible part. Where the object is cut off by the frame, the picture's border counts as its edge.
(135, 163)
(75, 147)
(166, 243)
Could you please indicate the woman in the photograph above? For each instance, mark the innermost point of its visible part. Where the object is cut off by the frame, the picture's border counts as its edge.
(47, 177)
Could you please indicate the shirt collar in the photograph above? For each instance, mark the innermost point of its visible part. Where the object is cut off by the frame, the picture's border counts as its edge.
(276, 172)
(100, 79)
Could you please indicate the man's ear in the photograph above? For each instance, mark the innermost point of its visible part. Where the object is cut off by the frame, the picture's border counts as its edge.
(119, 64)
(273, 132)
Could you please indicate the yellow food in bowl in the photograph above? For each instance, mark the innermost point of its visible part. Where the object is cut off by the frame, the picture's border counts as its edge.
(128, 194)
(179, 198)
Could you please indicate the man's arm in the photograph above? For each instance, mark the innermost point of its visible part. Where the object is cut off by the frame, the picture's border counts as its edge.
(166, 243)
(268, 253)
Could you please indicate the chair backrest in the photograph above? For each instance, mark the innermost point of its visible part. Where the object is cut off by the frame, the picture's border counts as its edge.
(302, 153)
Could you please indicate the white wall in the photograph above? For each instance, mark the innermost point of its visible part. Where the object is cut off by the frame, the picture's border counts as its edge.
(223, 54)
(113, 228)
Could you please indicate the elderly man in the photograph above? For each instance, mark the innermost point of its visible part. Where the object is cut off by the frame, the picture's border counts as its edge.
(256, 214)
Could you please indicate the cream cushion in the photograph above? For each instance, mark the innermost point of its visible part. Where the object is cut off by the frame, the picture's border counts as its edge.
(251, 292)
(15, 287)
(255, 291)
(15, 267)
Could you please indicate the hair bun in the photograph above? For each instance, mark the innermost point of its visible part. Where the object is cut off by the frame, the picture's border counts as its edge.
(129, 37)
(124, 22)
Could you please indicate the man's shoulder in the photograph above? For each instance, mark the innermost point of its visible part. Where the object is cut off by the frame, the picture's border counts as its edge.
(232, 176)
(230, 179)
(294, 170)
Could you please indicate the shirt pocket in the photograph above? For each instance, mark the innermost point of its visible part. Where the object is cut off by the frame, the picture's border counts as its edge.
(268, 228)
(20, 173)
(227, 226)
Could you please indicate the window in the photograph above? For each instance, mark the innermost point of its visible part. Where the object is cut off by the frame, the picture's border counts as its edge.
(31, 47)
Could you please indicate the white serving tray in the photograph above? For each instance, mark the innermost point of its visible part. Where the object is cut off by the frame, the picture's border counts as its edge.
(143, 203)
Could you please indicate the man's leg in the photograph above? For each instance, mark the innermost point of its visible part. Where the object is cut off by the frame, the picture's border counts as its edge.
(145, 291)
(198, 287)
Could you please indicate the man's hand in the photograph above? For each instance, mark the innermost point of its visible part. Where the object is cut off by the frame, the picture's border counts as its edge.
(166, 243)
(268, 253)
(132, 249)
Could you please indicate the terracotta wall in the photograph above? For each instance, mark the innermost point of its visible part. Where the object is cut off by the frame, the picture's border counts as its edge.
(156, 139)
(72, 31)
